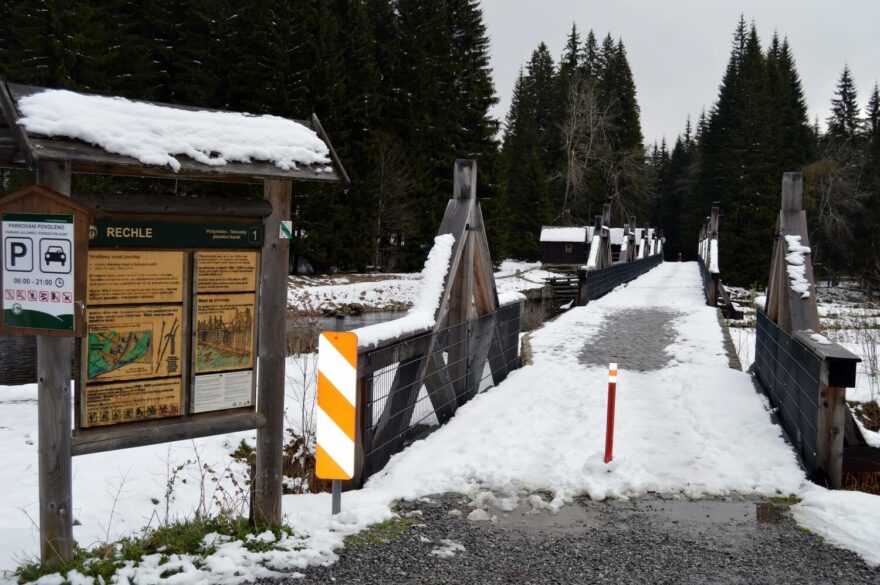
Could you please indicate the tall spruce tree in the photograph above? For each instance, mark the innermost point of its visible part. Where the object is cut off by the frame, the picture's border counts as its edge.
(844, 123)
(526, 183)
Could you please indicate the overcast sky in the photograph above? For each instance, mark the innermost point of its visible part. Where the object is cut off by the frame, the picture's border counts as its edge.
(678, 49)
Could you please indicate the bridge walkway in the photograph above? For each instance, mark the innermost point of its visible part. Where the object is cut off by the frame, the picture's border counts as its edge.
(686, 422)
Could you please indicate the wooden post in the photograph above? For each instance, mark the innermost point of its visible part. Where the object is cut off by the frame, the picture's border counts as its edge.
(54, 356)
(830, 431)
(270, 372)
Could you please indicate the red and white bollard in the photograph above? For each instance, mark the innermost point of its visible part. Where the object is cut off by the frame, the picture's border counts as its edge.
(609, 426)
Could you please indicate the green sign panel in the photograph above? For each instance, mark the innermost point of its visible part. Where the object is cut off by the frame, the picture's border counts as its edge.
(175, 234)
(38, 271)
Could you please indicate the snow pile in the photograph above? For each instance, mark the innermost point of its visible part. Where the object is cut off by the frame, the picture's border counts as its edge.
(510, 297)
(425, 304)
(820, 339)
(713, 256)
(847, 519)
(594, 253)
(797, 265)
(155, 135)
(563, 234)
(518, 276)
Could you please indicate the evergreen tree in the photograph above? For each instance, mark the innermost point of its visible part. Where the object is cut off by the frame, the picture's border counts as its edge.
(526, 185)
(844, 122)
(872, 119)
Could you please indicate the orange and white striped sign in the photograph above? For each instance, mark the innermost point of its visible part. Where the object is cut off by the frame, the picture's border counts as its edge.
(337, 405)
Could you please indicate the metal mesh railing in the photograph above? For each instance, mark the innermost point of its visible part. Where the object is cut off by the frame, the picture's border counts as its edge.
(601, 282)
(421, 380)
(789, 374)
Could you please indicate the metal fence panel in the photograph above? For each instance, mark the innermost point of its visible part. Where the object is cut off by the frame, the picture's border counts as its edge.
(402, 389)
(601, 282)
(789, 374)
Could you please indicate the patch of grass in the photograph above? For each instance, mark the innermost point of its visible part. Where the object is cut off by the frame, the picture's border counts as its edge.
(382, 532)
(183, 538)
(785, 500)
(868, 413)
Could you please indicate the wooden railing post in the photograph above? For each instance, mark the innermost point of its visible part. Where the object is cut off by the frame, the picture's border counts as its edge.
(829, 442)
(54, 355)
(272, 335)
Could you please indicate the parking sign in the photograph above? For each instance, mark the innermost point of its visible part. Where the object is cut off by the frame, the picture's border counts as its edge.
(38, 270)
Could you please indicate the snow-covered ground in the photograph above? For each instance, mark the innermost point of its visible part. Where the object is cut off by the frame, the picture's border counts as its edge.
(693, 427)
(393, 292)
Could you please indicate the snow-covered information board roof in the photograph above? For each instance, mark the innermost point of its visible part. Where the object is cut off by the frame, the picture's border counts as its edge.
(96, 132)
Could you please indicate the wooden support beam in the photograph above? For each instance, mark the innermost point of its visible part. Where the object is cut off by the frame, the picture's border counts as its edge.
(138, 434)
(54, 355)
(440, 389)
(400, 403)
(483, 329)
(274, 263)
(830, 431)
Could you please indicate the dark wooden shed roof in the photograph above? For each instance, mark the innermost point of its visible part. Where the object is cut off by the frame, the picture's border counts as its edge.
(21, 149)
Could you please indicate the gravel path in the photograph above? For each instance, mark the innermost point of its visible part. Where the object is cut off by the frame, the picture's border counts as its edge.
(636, 338)
(645, 540)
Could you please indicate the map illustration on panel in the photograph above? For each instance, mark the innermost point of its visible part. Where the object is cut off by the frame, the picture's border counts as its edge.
(127, 343)
(224, 332)
(112, 350)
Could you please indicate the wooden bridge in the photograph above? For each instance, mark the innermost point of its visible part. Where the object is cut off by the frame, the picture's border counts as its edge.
(654, 317)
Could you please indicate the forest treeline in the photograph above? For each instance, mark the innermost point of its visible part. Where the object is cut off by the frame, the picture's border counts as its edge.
(735, 154)
(404, 87)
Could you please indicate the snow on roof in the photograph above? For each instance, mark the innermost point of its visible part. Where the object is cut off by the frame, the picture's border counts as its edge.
(155, 134)
(563, 234)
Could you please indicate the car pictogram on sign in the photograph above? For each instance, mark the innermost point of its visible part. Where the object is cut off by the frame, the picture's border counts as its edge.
(55, 254)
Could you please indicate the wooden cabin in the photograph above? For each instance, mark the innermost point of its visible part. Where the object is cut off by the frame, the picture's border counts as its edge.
(564, 245)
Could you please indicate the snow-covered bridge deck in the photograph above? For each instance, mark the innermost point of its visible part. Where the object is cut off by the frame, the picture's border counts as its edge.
(686, 421)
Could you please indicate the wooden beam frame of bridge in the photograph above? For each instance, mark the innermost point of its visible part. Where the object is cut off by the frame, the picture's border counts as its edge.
(469, 293)
(799, 316)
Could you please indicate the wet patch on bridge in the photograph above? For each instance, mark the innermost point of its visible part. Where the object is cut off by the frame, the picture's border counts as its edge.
(638, 338)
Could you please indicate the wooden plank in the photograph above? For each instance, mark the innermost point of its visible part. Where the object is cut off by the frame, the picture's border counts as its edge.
(830, 432)
(10, 114)
(861, 460)
(460, 312)
(54, 355)
(485, 292)
(162, 205)
(792, 191)
(319, 130)
(439, 388)
(272, 342)
(483, 331)
(139, 434)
